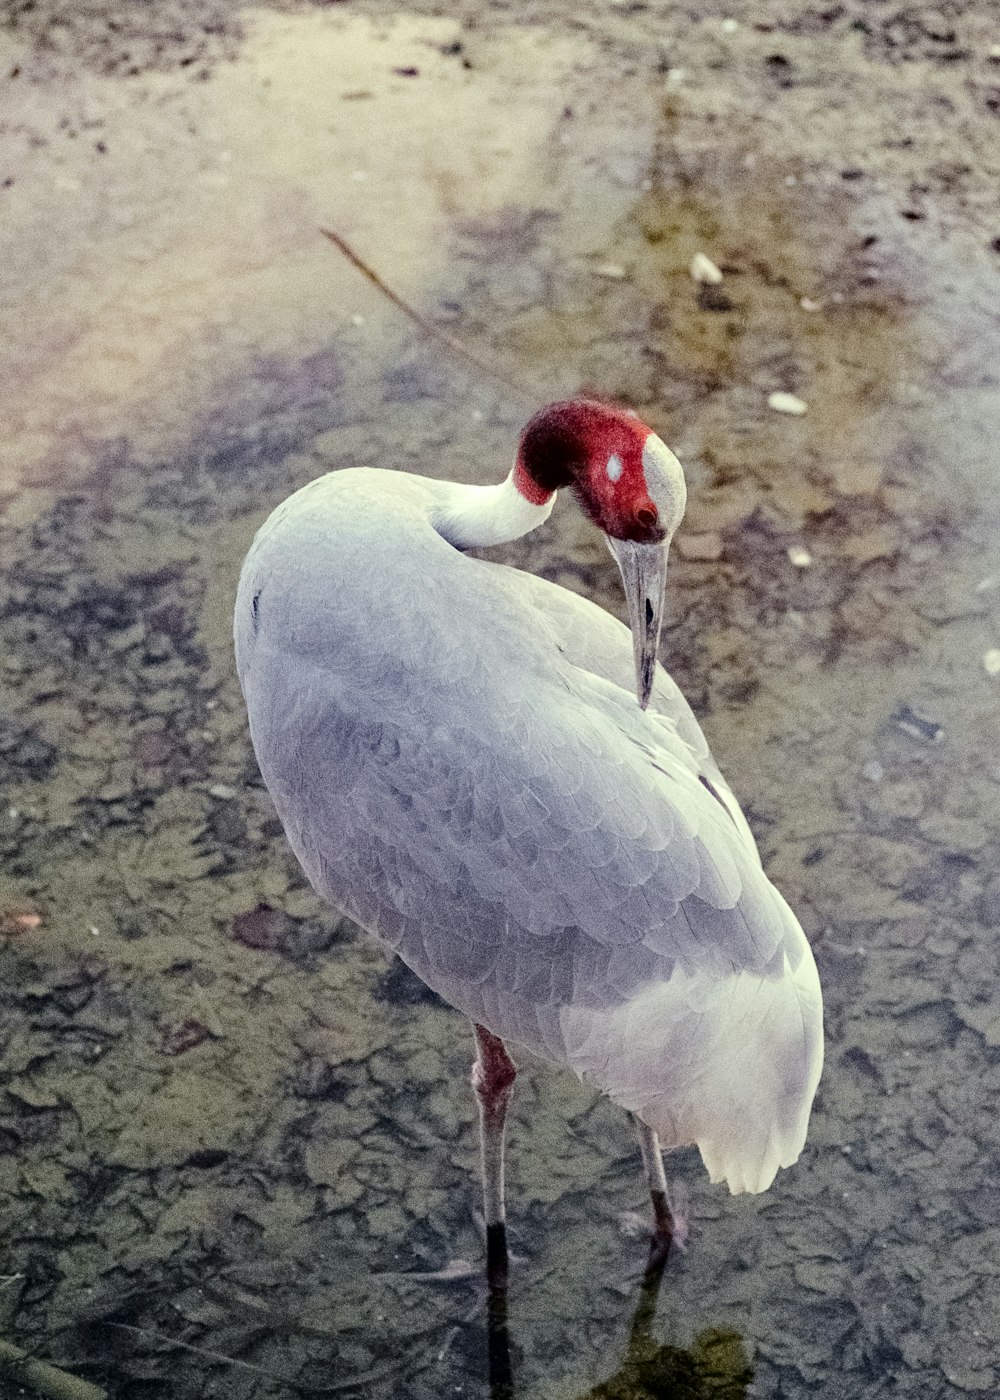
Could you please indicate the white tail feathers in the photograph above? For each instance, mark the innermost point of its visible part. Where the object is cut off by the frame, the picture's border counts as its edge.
(730, 1064)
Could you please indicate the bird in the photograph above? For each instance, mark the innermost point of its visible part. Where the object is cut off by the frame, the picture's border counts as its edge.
(502, 782)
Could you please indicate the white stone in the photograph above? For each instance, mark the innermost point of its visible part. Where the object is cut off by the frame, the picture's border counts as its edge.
(787, 403)
(703, 269)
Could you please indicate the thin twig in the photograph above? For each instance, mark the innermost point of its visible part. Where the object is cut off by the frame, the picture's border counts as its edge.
(147, 1334)
(376, 1373)
(428, 327)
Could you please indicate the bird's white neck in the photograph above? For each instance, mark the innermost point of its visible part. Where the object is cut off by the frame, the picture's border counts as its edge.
(471, 517)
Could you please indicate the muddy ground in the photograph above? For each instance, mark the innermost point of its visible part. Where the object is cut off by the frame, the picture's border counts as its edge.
(237, 1154)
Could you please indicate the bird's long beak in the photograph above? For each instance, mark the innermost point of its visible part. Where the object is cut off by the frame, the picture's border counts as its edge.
(644, 573)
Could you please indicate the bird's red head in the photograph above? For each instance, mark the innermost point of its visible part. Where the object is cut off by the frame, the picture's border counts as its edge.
(624, 477)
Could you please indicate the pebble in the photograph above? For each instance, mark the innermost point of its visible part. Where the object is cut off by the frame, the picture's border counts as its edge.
(991, 661)
(917, 726)
(730, 26)
(223, 791)
(808, 304)
(799, 556)
(614, 272)
(703, 269)
(17, 920)
(263, 928)
(873, 771)
(787, 403)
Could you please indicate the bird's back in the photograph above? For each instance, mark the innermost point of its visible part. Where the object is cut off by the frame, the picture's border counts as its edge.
(459, 763)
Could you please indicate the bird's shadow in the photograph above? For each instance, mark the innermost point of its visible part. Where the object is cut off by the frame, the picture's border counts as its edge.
(715, 1368)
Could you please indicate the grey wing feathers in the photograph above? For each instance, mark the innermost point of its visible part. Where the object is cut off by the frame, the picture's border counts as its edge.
(555, 855)
(594, 641)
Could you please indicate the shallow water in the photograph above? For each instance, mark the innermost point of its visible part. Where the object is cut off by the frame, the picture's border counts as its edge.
(229, 1125)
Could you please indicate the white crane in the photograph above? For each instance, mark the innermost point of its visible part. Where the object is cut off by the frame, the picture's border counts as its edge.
(457, 757)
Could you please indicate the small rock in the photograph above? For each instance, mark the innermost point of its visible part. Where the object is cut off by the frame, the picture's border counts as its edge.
(787, 403)
(178, 1037)
(19, 919)
(808, 304)
(799, 556)
(222, 791)
(917, 726)
(263, 928)
(873, 771)
(614, 272)
(730, 26)
(991, 661)
(454, 1269)
(703, 269)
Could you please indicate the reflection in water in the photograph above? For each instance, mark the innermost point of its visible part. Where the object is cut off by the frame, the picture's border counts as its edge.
(715, 1368)
(501, 1374)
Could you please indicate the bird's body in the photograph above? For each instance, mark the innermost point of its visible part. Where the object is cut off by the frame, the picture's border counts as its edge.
(456, 753)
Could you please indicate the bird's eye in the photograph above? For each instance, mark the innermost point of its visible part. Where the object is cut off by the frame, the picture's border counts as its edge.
(646, 516)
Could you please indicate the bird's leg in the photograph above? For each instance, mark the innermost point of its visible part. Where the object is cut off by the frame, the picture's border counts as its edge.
(493, 1075)
(668, 1226)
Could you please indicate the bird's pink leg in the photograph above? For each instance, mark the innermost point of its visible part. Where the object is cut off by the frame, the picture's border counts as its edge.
(493, 1075)
(668, 1227)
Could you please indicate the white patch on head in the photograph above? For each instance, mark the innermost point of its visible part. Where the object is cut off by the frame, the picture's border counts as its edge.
(664, 482)
(615, 467)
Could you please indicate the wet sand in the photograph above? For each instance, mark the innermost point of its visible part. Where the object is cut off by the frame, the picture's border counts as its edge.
(227, 1120)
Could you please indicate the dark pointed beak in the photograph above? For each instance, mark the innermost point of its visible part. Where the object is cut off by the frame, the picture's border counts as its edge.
(644, 573)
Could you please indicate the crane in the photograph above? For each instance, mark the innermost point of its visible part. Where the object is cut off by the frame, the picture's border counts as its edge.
(457, 757)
